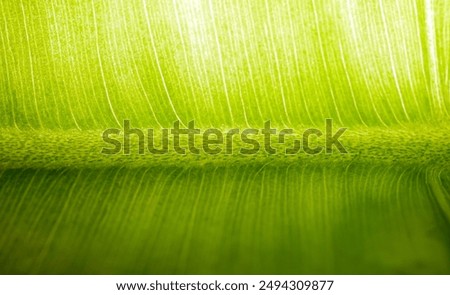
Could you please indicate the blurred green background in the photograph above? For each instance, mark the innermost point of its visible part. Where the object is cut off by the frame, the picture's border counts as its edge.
(72, 68)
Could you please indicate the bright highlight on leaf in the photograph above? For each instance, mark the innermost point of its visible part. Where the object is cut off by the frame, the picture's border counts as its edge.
(71, 69)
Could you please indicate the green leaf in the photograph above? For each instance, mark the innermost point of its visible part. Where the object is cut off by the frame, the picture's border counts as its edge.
(71, 69)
